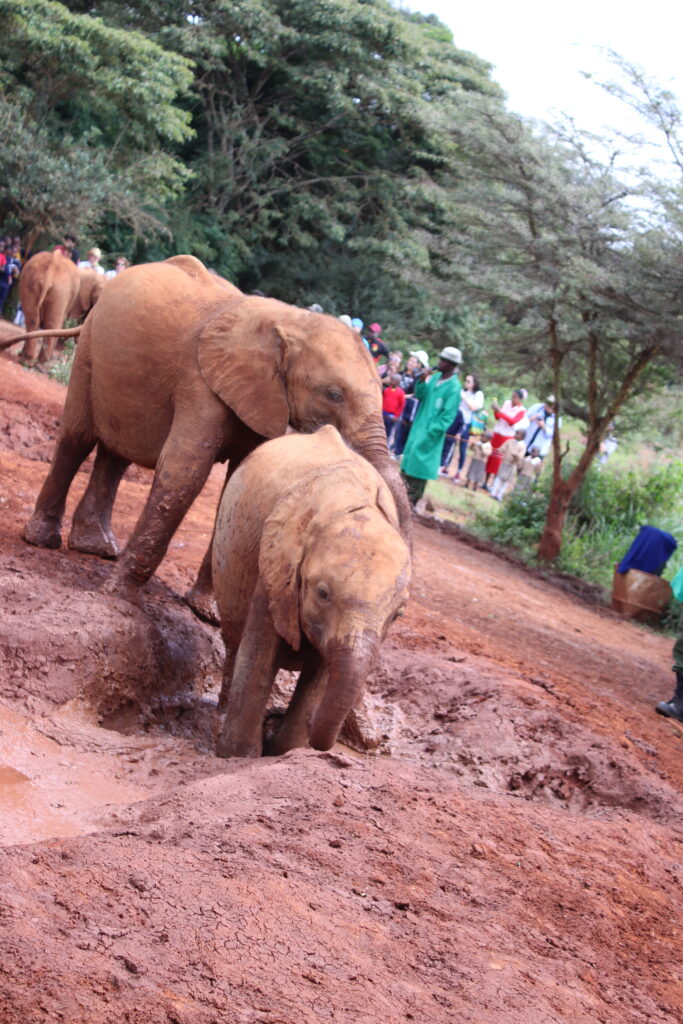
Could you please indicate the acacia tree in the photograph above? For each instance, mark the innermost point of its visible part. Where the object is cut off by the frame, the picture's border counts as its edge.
(589, 292)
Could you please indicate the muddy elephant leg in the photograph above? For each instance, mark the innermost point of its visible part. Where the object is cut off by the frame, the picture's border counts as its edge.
(181, 472)
(43, 528)
(295, 727)
(31, 347)
(91, 528)
(251, 683)
(200, 596)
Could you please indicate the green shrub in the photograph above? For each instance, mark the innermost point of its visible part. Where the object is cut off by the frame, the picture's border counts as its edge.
(603, 519)
(61, 368)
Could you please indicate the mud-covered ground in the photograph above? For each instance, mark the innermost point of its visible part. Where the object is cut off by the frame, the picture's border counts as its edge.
(517, 857)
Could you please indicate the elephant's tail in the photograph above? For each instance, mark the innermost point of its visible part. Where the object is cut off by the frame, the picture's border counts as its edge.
(65, 332)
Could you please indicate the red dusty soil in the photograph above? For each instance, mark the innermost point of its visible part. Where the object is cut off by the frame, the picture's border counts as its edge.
(515, 860)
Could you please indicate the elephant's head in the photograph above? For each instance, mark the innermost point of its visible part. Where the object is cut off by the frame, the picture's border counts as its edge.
(277, 366)
(337, 572)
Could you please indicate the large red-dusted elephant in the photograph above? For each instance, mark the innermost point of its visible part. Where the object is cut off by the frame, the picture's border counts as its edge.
(176, 369)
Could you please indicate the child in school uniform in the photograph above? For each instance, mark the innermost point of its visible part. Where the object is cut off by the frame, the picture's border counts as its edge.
(476, 471)
(512, 452)
(530, 470)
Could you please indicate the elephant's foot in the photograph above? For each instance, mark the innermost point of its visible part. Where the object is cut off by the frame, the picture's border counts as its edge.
(203, 605)
(92, 539)
(42, 531)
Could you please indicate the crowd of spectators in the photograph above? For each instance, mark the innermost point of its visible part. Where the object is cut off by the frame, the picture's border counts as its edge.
(437, 426)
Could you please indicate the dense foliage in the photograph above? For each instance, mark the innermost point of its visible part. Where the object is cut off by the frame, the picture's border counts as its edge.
(305, 154)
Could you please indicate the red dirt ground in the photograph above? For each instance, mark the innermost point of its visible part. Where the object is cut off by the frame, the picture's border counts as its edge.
(516, 860)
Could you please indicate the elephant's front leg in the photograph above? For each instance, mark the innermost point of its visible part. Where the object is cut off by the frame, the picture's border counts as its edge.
(181, 472)
(295, 727)
(251, 683)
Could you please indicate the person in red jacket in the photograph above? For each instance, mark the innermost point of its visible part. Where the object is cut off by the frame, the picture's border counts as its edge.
(508, 418)
(393, 400)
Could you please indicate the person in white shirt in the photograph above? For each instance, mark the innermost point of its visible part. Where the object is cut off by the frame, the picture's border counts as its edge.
(93, 261)
(121, 264)
(472, 400)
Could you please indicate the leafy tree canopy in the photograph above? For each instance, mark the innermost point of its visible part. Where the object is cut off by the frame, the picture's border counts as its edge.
(88, 112)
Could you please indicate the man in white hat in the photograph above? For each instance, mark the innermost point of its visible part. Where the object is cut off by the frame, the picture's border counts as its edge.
(439, 396)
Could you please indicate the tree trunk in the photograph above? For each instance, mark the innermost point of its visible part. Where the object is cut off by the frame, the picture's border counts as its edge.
(562, 490)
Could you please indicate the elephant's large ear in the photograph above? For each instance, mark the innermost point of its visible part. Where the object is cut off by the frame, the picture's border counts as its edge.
(280, 557)
(241, 358)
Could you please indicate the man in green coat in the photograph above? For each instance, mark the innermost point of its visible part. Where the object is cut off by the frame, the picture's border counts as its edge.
(439, 398)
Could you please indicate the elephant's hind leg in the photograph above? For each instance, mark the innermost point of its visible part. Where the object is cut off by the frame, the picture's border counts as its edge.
(43, 528)
(91, 530)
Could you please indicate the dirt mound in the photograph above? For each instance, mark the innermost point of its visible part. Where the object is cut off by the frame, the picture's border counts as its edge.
(516, 860)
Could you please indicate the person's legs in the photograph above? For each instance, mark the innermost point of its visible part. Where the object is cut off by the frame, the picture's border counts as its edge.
(497, 488)
(674, 708)
(462, 449)
(400, 436)
(447, 452)
(415, 488)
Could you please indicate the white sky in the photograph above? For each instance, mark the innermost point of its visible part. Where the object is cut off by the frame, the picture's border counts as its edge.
(539, 48)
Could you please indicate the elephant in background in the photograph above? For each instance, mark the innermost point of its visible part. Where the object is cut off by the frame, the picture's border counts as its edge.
(90, 288)
(309, 570)
(175, 370)
(48, 288)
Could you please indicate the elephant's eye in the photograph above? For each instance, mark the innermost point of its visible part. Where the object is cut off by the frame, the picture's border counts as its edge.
(323, 592)
(334, 394)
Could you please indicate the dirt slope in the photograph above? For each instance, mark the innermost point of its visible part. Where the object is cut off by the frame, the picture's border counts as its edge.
(517, 860)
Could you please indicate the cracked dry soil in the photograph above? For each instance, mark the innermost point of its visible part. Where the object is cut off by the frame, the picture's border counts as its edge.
(517, 859)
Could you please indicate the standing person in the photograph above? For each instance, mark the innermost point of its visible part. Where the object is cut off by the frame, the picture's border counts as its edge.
(121, 264)
(67, 247)
(417, 361)
(92, 262)
(393, 401)
(512, 457)
(471, 401)
(674, 708)
(541, 427)
(375, 343)
(439, 396)
(5, 275)
(507, 417)
(476, 471)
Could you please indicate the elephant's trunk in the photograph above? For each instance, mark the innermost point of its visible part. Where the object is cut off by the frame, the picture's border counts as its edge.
(373, 447)
(348, 666)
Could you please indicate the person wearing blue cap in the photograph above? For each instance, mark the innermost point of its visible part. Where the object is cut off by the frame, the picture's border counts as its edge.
(357, 325)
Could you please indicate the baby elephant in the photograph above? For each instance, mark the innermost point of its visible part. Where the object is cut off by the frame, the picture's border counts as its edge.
(309, 570)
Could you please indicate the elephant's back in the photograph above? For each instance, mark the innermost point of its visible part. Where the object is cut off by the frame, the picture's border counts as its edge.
(44, 270)
(142, 354)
